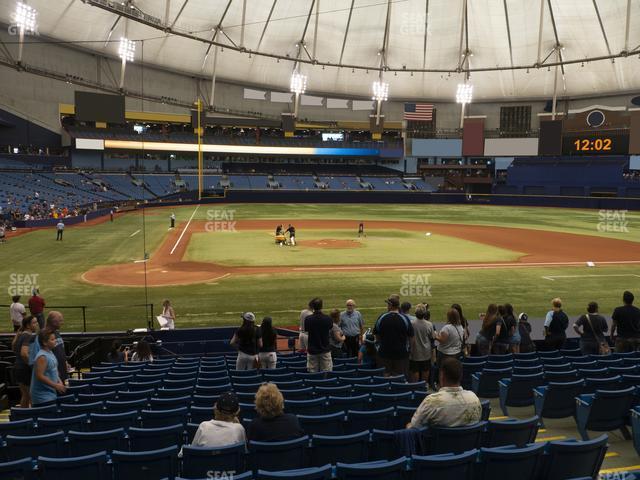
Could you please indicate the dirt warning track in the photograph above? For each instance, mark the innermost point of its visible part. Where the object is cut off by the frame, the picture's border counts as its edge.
(541, 248)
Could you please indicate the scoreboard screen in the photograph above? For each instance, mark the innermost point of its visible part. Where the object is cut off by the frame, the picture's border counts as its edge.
(599, 143)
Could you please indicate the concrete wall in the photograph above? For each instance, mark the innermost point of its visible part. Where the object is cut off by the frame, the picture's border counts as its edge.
(36, 97)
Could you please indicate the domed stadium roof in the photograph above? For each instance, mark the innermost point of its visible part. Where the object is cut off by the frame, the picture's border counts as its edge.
(423, 47)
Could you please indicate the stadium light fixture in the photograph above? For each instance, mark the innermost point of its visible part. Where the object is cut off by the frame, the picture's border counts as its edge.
(464, 95)
(127, 50)
(380, 91)
(25, 17)
(298, 87)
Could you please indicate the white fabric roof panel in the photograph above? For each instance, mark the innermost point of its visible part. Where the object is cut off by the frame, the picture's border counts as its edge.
(576, 22)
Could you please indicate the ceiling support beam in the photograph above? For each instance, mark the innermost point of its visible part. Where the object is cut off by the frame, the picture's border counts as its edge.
(217, 29)
(555, 34)
(540, 25)
(506, 21)
(346, 31)
(627, 25)
(604, 33)
(111, 30)
(244, 21)
(167, 10)
(384, 64)
(173, 24)
(315, 30)
(266, 24)
(301, 46)
(462, 55)
(426, 31)
(555, 86)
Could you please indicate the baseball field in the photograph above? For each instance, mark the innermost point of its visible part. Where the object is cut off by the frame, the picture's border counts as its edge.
(221, 260)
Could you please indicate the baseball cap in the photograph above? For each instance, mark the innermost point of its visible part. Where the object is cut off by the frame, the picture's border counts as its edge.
(523, 317)
(228, 402)
(249, 317)
(370, 338)
(393, 300)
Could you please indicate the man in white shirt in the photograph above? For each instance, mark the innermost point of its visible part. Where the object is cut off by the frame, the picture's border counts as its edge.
(451, 406)
(17, 312)
(59, 230)
(225, 429)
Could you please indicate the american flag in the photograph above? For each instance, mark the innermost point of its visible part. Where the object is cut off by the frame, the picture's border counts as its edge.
(421, 112)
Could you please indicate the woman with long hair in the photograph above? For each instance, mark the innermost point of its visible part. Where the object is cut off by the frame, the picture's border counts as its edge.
(268, 352)
(511, 324)
(248, 341)
(336, 336)
(20, 345)
(465, 325)
(450, 338)
(501, 343)
(142, 353)
(489, 330)
(169, 315)
(116, 355)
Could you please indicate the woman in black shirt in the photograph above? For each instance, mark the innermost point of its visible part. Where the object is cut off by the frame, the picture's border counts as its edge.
(594, 326)
(272, 424)
(248, 342)
(268, 356)
(22, 369)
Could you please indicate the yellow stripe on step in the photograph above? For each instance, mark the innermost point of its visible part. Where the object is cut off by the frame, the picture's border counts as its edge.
(611, 454)
(498, 418)
(620, 469)
(542, 430)
(550, 439)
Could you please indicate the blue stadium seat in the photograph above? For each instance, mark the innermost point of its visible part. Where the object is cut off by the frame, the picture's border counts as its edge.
(511, 432)
(191, 430)
(292, 385)
(517, 370)
(69, 409)
(330, 424)
(359, 421)
(444, 466)
(608, 362)
(339, 448)
(243, 373)
(142, 439)
(312, 473)
(181, 392)
(315, 406)
(16, 427)
(281, 377)
(604, 411)
(525, 356)
(249, 387)
(486, 410)
(502, 357)
(200, 414)
(573, 459)
(113, 406)
(369, 372)
(557, 367)
(606, 383)
(274, 456)
(561, 377)
(510, 463)
(455, 439)
(109, 421)
(86, 443)
(380, 387)
(95, 397)
(404, 416)
(517, 391)
(339, 391)
(624, 370)
(297, 393)
(151, 377)
(379, 470)
(584, 364)
(321, 382)
(127, 395)
(51, 425)
(183, 383)
(398, 387)
(571, 352)
(108, 387)
(49, 445)
(593, 372)
(385, 400)
(248, 410)
(499, 364)
(485, 383)
(79, 388)
(197, 461)
(148, 465)
(204, 400)
(32, 413)
(629, 381)
(556, 400)
(213, 382)
(169, 403)
(18, 469)
(92, 466)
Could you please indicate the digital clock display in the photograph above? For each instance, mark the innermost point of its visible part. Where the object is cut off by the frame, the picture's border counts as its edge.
(595, 145)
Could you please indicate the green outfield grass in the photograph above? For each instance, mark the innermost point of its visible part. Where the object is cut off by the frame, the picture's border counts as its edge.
(59, 266)
(378, 247)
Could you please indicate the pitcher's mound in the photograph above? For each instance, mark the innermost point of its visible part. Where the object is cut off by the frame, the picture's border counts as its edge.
(330, 243)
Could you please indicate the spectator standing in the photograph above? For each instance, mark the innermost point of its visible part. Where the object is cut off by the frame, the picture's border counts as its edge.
(352, 325)
(45, 381)
(169, 314)
(501, 343)
(594, 326)
(17, 312)
(555, 326)
(54, 323)
(225, 428)
(248, 341)
(451, 338)
(272, 424)
(421, 345)
(393, 332)
(267, 355)
(36, 307)
(465, 325)
(451, 406)
(318, 326)
(368, 352)
(304, 335)
(524, 328)
(22, 370)
(626, 321)
(489, 330)
(511, 324)
(336, 339)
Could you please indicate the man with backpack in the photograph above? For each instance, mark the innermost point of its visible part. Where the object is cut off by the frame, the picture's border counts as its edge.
(393, 332)
(555, 326)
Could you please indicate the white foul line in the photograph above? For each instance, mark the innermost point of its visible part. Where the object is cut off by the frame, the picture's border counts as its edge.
(134, 233)
(184, 230)
(553, 277)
